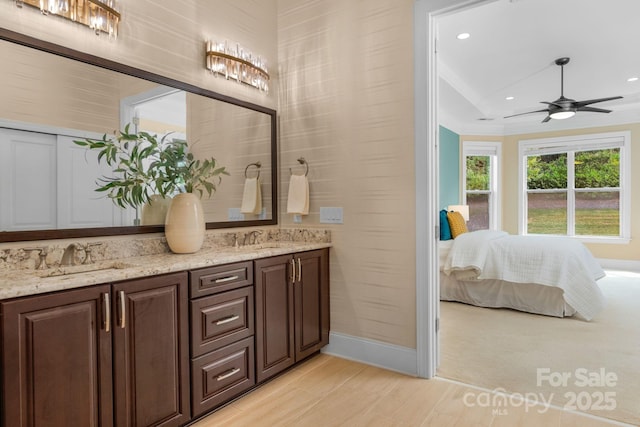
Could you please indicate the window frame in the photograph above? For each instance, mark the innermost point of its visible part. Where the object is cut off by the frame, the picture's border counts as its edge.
(570, 145)
(493, 149)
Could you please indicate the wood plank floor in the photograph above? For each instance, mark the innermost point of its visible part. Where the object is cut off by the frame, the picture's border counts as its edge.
(330, 391)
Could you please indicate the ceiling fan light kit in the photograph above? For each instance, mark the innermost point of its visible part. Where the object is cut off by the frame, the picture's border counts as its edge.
(561, 115)
(564, 108)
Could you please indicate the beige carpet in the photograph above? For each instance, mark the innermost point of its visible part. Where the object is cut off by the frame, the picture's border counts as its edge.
(500, 348)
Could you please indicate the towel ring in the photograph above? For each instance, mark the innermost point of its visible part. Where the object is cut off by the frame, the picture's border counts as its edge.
(302, 161)
(258, 165)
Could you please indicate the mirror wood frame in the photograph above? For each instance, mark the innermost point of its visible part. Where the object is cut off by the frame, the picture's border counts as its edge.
(28, 41)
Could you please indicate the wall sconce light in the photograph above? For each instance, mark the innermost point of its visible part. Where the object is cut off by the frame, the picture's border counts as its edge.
(237, 64)
(100, 15)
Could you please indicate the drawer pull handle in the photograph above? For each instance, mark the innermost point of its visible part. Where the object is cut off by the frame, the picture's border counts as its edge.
(227, 320)
(228, 374)
(226, 279)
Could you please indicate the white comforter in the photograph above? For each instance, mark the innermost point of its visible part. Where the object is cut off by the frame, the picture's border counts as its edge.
(549, 261)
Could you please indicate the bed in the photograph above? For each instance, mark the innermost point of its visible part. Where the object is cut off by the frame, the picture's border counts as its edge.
(554, 276)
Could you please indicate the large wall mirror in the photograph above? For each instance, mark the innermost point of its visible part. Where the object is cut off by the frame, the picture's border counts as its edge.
(52, 96)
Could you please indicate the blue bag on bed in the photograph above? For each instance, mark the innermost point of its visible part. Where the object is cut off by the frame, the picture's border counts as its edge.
(445, 230)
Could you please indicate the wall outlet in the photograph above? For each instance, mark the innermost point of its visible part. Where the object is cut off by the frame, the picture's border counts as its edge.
(331, 215)
(297, 218)
(234, 214)
(263, 214)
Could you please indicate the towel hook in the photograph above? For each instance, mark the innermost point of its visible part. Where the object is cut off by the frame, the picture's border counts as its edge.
(302, 161)
(257, 164)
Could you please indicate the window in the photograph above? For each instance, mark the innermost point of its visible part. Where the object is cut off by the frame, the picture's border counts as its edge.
(481, 180)
(576, 186)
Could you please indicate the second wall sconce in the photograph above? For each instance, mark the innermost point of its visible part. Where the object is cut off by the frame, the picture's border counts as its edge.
(237, 64)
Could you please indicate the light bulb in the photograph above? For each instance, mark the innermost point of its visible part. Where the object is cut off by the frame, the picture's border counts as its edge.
(561, 115)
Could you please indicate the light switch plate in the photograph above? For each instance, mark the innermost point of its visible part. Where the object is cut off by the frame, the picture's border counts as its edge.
(331, 215)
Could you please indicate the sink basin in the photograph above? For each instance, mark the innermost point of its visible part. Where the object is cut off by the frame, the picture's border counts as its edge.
(264, 245)
(257, 247)
(84, 268)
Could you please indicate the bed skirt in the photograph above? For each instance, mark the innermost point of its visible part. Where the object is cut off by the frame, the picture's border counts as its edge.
(528, 297)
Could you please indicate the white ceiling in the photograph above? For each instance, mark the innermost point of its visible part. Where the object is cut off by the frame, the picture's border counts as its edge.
(511, 52)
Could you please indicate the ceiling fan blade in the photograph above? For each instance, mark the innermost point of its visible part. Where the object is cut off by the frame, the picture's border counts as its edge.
(546, 119)
(593, 101)
(594, 110)
(529, 112)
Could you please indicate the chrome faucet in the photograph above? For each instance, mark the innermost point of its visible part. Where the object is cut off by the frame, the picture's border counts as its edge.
(304, 235)
(87, 250)
(252, 236)
(42, 260)
(69, 256)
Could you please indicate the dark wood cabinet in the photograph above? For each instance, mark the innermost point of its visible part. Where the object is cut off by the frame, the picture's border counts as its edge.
(275, 348)
(57, 360)
(222, 328)
(311, 292)
(219, 320)
(292, 309)
(78, 357)
(162, 350)
(151, 351)
(223, 374)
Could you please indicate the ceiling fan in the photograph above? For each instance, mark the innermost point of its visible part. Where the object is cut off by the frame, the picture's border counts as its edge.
(563, 108)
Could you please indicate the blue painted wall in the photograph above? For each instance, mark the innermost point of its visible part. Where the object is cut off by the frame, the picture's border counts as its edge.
(449, 168)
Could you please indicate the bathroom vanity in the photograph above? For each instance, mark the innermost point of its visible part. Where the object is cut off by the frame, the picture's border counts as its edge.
(161, 340)
(134, 335)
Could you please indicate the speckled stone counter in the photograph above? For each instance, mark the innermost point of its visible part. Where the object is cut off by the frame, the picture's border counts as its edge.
(24, 281)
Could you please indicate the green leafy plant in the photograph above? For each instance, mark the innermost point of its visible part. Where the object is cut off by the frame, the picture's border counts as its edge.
(183, 173)
(144, 166)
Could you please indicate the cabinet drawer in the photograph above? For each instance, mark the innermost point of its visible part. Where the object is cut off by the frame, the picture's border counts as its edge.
(222, 278)
(221, 319)
(222, 375)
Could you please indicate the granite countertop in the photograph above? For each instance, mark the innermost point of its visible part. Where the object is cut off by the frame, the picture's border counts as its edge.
(16, 283)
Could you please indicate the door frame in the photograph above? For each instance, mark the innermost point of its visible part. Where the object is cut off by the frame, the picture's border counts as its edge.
(426, 13)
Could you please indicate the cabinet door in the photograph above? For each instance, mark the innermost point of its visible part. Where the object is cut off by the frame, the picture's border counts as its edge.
(274, 316)
(311, 302)
(78, 204)
(27, 180)
(150, 349)
(57, 360)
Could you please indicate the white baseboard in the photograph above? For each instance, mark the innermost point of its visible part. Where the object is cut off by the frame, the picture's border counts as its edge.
(620, 264)
(376, 353)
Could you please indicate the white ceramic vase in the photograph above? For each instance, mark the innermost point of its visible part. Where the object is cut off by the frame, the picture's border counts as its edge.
(155, 212)
(184, 225)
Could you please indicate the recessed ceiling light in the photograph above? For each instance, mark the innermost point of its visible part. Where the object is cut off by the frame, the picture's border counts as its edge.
(463, 36)
(632, 79)
(510, 98)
